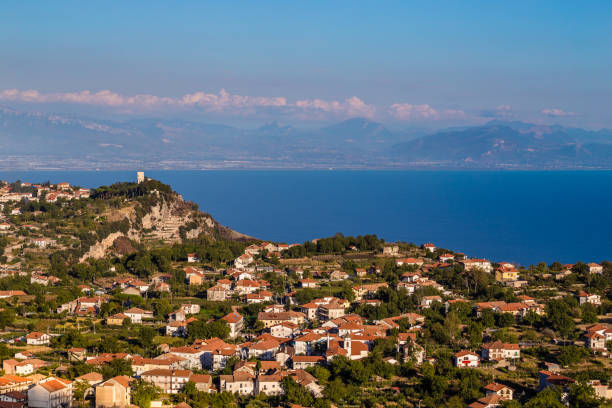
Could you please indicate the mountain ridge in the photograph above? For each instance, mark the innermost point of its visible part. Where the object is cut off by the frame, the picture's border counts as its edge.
(352, 143)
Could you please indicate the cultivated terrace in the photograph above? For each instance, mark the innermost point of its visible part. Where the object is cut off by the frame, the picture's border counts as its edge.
(127, 295)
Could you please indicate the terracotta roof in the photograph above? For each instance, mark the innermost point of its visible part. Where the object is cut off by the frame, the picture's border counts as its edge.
(53, 385)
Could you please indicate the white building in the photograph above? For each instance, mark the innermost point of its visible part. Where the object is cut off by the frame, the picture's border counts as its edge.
(51, 393)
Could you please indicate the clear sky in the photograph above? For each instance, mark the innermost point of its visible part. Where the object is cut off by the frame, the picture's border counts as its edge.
(403, 63)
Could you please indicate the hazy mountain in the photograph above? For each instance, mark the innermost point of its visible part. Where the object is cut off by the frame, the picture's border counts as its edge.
(514, 144)
(353, 143)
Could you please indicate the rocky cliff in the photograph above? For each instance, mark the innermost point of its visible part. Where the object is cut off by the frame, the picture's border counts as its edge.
(169, 219)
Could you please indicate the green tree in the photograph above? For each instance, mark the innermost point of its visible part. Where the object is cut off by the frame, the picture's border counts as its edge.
(118, 366)
(200, 329)
(469, 385)
(548, 398)
(582, 395)
(558, 314)
(589, 313)
(296, 393)
(143, 393)
(80, 389)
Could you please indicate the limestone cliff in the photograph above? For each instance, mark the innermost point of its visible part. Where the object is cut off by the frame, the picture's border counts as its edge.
(169, 219)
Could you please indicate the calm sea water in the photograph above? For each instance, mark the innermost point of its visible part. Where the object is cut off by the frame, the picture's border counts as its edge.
(523, 217)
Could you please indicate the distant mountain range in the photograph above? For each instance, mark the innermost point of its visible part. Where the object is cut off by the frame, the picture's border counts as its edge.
(43, 140)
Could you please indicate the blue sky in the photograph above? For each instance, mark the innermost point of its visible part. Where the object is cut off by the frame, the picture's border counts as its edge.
(401, 62)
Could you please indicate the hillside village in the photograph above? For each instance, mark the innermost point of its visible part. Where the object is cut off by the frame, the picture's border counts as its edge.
(127, 295)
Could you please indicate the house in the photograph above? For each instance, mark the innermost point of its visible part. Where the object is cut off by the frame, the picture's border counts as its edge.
(243, 261)
(503, 391)
(51, 393)
(500, 351)
(361, 272)
(303, 362)
(601, 390)
(593, 299)
(15, 397)
(92, 378)
(193, 276)
(466, 358)
(338, 276)
(409, 262)
(595, 268)
(506, 274)
(597, 336)
(10, 293)
(241, 383)
(409, 349)
(330, 311)
(169, 381)
(489, 401)
(116, 320)
(368, 290)
(353, 350)
(264, 350)
(191, 354)
(307, 381)
(429, 247)
(216, 293)
(270, 319)
(190, 308)
(216, 353)
(235, 321)
(427, 301)
(308, 283)
(549, 379)
(136, 315)
(244, 286)
(285, 329)
(202, 382)
(114, 393)
(37, 339)
(471, 264)
(191, 258)
(14, 383)
(259, 297)
(167, 361)
(24, 367)
(595, 341)
(391, 250)
(269, 384)
(446, 257)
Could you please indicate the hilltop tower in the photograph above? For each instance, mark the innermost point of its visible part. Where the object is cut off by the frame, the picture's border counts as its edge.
(140, 177)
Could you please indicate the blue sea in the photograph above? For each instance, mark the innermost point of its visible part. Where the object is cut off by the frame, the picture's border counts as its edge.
(522, 217)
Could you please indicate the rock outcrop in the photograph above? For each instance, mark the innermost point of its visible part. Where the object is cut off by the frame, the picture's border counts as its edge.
(169, 220)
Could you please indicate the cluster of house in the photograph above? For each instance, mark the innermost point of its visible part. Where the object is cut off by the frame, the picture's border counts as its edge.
(269, 248)
(51, 192)
(246, 284)
(518, 309)
(494, 351)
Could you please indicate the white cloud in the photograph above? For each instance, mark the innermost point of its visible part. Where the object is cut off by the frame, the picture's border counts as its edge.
(210, 102)
(554, 112)
(408, 111)
(112, 99)
(350, 107)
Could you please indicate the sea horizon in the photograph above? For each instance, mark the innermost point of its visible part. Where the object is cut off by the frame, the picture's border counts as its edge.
(459, 210)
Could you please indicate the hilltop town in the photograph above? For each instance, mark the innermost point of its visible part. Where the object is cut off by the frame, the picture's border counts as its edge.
(126, 295)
